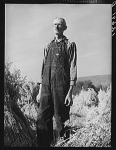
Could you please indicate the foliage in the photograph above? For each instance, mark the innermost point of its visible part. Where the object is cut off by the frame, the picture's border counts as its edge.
(90, 114)
(77, 89)
(16, 87)
(35, 91)
(87, 84)
(83, 85)
(19, 130)
(86, 99)
(90, 124)
(28, 93)
(101, 87)
(12, 83)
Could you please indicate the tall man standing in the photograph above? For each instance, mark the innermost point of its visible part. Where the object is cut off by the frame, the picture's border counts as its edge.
(58, 76)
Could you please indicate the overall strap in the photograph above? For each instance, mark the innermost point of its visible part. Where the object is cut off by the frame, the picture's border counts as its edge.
(66, 44)
(49, 47)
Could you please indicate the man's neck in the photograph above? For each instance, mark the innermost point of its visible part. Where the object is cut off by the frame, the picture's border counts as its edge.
(58, 37)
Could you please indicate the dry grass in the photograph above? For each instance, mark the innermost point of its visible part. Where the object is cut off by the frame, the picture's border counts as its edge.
(90, 121)
(90, 125)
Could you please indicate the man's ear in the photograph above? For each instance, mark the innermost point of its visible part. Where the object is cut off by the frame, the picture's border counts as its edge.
(65, 27)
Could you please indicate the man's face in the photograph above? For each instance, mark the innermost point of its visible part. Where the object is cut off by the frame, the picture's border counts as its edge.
(58, 26)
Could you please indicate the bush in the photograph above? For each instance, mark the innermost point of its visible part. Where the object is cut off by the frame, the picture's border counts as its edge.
(84, 101)
(101, 87)
(12, 84)
(88, 84)
(35, 92)
(28, 93)
(83, 85)
(90, 124)
(18, 129)
(77, 89)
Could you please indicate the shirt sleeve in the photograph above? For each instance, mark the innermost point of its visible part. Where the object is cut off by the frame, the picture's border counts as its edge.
(43, 63)
(73, 63)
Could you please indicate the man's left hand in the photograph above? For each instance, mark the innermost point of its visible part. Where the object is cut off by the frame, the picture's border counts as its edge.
(68, 100)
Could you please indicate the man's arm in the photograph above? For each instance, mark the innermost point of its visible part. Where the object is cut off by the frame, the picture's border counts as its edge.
(43, 63)
(41, 75)
(73, 64)
(73, 71)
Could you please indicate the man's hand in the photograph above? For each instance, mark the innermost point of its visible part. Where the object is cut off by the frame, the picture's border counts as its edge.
(38, 97)
(39, 94)
(68, 99)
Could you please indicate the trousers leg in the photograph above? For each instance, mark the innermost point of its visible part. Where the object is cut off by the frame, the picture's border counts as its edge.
(45, 122)
(61, 111)
(44, 132)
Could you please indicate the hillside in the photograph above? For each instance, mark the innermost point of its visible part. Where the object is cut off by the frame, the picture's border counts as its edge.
(97, 80)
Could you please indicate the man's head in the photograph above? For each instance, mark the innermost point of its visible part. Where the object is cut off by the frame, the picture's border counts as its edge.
(59, 26)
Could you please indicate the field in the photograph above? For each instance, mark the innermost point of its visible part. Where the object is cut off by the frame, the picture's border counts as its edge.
(89, 123)
(90, 120)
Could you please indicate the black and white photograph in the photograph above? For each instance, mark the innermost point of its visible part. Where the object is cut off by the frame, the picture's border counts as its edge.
(57, 75)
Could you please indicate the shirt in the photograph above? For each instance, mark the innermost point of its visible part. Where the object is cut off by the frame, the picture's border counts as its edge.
(72, 54)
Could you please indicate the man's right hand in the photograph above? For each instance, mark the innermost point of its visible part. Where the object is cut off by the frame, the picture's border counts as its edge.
(38, 97)
(39, 94)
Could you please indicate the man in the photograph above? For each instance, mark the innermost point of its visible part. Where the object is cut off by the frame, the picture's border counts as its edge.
(58, 76)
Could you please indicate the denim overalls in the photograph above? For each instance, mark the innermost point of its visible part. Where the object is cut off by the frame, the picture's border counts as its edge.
(55, 86)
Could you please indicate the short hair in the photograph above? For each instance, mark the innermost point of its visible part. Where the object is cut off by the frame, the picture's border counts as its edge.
(63, 21)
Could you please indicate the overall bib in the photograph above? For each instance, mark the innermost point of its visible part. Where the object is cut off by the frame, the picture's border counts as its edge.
(55, 86)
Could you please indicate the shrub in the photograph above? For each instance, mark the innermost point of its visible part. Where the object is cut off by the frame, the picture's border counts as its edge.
(12, 84)
(85, 100)
(83, 85)
(28, 93)
(19, 130)
(77, 89)
(90, 125)
(35, 92)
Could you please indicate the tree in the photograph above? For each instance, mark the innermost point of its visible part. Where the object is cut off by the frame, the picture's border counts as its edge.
(87, 84)
(77, 89)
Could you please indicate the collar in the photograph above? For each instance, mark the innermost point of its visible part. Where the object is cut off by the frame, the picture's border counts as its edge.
(62, 39)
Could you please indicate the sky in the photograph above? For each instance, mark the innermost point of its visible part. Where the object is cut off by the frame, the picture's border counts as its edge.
(28, 28)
